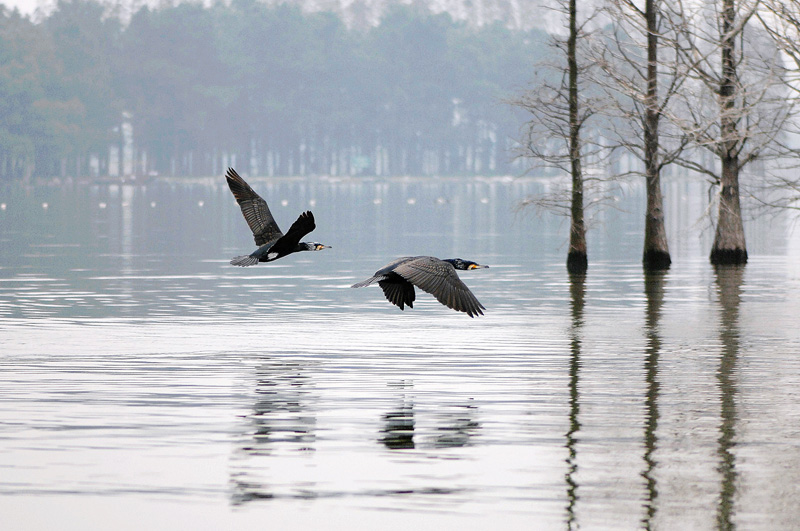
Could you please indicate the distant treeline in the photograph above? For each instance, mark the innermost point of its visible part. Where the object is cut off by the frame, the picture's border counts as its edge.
(188, 90)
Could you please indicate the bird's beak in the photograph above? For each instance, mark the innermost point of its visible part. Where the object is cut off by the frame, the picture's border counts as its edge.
(321, 247)
(478, 266)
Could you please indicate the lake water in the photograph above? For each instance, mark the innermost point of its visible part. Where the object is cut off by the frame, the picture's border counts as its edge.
(148, 384)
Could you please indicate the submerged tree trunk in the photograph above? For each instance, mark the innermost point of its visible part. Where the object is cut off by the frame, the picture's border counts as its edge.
(656, 250)
(729, 245)
(577, 261)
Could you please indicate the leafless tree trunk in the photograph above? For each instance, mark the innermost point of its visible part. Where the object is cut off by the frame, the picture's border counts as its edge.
(554, 135)
(577, 259)
(643, 72)
(741, 67)
(656, 249)
(729, 245)
(629, 56)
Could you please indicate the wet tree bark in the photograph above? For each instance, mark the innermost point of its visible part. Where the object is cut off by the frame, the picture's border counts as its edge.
(577, 261)
(729, 245)
(656, 249)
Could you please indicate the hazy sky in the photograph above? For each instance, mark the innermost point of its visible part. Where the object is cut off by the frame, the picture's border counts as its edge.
(25, 6)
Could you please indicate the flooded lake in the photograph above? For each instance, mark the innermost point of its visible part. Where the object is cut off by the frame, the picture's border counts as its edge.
(148, 384)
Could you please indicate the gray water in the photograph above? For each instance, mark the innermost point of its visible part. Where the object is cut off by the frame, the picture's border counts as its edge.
(148, 384)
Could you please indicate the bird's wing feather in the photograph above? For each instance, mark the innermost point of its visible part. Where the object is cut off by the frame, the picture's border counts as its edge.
(382, 273)
(439, 278)
(398, 291)
(302, 226)
(255, 209)
(389, 268)
(367, 282)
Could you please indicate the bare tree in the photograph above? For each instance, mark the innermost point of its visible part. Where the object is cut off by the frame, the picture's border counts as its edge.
(732, 62)
(554, 138)
(577, 259)
(656, 249)
(781, 20)
(642, 83)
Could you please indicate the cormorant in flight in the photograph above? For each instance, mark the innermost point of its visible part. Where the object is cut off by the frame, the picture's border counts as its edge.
(438, 277)
(272, 243)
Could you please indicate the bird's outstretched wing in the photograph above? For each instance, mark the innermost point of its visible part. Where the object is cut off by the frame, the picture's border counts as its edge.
(255, 210)
(398, 291)
(383, 273)
(302, 226)
(439, 278)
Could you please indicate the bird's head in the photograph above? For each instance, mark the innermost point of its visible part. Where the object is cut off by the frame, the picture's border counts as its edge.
(458, 263)
(315, 246)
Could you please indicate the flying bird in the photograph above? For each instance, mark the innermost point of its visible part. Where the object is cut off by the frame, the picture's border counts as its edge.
(272, 243)
(438, 277)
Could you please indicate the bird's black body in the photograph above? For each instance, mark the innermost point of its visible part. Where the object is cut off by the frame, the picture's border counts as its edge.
(272, 243)
(438, 277)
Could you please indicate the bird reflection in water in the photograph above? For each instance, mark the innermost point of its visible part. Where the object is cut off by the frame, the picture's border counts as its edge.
(455, 426)
(398, 425)
(280, 415)
(458, 426)
(281, 423)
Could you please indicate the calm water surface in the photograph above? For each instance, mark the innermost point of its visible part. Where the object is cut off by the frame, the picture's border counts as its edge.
(147, 384)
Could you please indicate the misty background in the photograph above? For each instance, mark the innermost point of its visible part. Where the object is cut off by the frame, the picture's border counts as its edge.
(93, 89)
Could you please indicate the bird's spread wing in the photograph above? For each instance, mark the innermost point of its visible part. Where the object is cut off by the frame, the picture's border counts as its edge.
(398, 291)
(439, 278)
(255, 210)
(302, 226)
(383, 273)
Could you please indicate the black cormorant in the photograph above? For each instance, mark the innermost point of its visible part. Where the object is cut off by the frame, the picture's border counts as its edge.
(272, 243)
(437, 277)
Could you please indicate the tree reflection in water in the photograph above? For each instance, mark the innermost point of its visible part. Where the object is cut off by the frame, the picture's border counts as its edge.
(654, 292)
(729, 290)
(577, 291)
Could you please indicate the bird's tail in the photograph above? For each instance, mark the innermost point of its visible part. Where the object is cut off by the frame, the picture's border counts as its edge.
(365, 283)
(244, 261)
